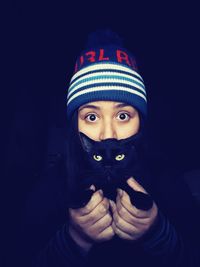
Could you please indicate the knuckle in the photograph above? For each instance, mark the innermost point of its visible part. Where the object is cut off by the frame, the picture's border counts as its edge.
(110, 235)
(86, 209)
(92, 217)
(90, 233)
(103, 208)
(108, 219)
(137, 212)
(111, 231)
(106, 235)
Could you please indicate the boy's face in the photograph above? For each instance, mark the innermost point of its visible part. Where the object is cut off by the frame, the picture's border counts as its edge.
(101, 120)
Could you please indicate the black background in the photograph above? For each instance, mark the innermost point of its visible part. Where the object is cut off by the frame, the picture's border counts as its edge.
(44, 39)
(41, 41)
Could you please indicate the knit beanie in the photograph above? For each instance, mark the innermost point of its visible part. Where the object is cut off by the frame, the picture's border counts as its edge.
(106, 70)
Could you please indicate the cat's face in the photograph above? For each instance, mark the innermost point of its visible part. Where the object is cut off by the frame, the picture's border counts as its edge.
(110, 158)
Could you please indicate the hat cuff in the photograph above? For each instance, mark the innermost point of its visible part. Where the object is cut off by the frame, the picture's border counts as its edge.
(114, 95)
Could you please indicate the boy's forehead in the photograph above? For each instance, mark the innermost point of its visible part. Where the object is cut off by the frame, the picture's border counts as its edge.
(104, 104)
(99, 104)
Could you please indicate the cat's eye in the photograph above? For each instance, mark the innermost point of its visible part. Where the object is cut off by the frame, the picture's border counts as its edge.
(120, 157)
(97, 157)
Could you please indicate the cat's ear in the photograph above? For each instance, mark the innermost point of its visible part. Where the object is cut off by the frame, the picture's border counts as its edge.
(132, 140)
(86, 142)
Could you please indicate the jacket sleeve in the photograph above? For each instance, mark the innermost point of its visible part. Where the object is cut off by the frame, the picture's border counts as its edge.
(43, 239)
(61, 250)
(174, 239)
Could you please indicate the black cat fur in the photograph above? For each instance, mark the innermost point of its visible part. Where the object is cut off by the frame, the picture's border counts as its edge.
(102, 170)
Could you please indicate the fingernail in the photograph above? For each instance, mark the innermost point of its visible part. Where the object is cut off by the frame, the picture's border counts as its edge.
(101, 192)
(120, 192)
(112, 204)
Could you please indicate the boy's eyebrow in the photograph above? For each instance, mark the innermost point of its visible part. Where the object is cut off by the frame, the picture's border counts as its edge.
(122, 105)
(118, 105)
(89, 106)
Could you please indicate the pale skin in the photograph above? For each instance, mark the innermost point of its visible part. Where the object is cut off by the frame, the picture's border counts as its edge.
(94, 223)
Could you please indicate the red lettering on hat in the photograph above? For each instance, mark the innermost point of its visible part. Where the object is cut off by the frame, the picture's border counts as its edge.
(91, 55)
(81, 60)
(76, 67)
(122, 56)
(101, 55)
(133, 63)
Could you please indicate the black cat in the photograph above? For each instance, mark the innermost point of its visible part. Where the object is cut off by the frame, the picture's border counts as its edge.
(107, 165)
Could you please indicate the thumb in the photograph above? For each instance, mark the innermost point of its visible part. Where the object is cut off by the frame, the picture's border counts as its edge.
(135, 185)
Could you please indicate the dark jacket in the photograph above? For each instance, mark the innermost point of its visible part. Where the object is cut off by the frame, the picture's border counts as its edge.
(43, 238)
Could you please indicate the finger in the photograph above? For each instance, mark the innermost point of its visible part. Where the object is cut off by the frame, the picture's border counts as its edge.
(123, 225)
(106, 234)
(128, 217)
(126, 203)
(97, 213)
(120, 233)
(101, 224)
(135, 185)
(112, 205)
(96, 198)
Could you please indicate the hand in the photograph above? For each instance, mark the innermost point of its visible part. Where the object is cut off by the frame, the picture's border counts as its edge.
(92, 223)
(129, 222)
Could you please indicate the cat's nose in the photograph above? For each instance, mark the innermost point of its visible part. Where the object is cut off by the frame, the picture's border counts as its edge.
(108, 167)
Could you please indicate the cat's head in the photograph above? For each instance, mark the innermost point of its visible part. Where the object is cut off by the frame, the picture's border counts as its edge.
(111, 154)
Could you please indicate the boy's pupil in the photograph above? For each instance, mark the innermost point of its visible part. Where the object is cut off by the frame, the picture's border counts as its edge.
(122, 116)
(92, 117)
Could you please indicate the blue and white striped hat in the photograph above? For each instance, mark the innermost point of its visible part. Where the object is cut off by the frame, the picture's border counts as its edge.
(106, 72)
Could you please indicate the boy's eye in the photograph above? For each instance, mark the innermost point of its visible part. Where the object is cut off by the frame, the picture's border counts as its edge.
(123, 116)
(91, 117)
(97, 157)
